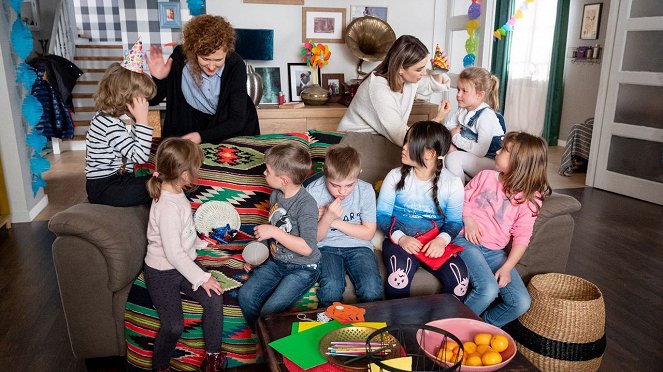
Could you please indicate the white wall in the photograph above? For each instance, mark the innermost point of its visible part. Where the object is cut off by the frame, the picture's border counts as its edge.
(581, 80)
(13, 151)
(405, 17)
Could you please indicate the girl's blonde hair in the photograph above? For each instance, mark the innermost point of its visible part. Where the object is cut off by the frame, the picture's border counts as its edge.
(204, 35)
(405, 52)
(119, 86)
(422, 136)
(483, 80)
(174, 157)
(527, 174)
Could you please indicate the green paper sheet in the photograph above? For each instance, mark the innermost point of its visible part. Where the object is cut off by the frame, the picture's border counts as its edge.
(302, 348)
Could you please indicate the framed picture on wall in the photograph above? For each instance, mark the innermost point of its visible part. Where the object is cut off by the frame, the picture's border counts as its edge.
(334, 84)
(169, 15)
(324, 25)
(357, 11)
(300, 76)
(591, 21)
(271, 84)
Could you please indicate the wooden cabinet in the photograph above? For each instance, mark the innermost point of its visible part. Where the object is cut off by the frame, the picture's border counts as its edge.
(278, 120)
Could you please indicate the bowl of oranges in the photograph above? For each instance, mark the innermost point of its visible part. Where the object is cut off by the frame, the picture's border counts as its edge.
(485, 347)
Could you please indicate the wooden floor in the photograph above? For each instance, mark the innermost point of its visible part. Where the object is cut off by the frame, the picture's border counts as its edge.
(617, 244)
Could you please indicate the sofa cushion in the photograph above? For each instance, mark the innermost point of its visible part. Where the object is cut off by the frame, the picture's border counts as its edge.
(111, 230)
(558, 204)
(378, 155)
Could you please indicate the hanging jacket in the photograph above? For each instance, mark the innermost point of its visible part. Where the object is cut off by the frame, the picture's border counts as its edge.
(61, 74)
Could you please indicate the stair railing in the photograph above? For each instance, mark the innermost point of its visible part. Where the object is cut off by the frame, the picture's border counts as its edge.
(63, 35)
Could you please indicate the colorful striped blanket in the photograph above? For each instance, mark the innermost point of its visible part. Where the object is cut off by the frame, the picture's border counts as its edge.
(232, 172)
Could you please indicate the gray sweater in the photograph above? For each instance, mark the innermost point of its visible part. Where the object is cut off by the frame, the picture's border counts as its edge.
(298, 216)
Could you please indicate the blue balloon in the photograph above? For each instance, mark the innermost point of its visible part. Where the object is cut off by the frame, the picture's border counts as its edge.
(36, 141)
(25, 75)
(196, 7)
(468, 60)
(32, 110)
(474, 11)
(21, 39)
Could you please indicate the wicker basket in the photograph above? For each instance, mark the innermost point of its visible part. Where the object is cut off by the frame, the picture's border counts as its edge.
(564, 329)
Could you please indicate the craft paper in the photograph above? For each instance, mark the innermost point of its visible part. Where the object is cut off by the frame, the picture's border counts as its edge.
(403, 364)
(302, 348)
(303, 326)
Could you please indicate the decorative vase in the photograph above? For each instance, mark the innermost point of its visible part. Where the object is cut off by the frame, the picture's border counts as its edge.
(314, 95)
(253, 84)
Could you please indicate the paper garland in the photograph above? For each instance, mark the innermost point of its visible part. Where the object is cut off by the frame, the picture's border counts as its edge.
(31, 108)
(508, 26)
(473, 13)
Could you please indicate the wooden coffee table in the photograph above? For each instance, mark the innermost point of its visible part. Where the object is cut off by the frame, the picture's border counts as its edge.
(413, 310)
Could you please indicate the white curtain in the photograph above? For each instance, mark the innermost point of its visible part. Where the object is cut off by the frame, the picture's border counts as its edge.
(529, 67)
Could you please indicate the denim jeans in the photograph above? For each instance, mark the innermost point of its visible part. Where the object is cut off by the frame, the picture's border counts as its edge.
(482, 264)
(274, 287)
(361, 266)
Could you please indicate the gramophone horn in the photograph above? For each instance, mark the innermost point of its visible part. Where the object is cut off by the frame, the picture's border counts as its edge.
(369, 39)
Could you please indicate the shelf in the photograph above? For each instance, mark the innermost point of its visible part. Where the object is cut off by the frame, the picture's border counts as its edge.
(587, 61)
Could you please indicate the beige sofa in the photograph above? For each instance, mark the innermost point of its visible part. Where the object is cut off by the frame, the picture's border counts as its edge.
(99, 251)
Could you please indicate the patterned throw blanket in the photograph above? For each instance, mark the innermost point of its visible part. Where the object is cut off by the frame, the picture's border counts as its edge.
(232, 172)
(576, 152)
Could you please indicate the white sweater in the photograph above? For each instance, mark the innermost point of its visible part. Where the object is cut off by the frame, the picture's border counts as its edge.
(375, 108)
(172, 239)
(486, 127)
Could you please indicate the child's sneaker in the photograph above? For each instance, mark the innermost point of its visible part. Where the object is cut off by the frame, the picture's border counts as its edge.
(213, 362)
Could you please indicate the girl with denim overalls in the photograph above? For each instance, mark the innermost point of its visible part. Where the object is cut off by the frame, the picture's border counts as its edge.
(476, 127)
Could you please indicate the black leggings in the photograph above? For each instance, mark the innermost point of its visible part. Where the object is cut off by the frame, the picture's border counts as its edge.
(164, 287)
(118, 190)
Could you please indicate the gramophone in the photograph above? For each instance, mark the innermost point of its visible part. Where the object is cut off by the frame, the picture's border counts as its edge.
(369, 39)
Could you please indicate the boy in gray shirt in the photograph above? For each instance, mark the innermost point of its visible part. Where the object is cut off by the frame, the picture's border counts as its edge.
(346, 225)
(293, 266)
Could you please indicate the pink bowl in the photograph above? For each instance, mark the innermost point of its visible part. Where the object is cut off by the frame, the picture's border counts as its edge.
(465, 329)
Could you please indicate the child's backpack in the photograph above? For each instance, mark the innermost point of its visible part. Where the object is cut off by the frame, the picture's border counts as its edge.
(495, 143)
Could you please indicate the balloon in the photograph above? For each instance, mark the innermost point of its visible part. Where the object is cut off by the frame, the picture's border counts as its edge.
(468, 60)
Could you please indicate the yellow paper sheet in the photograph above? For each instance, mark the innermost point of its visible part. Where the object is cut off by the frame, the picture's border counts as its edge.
(404, 364)
(303, 326)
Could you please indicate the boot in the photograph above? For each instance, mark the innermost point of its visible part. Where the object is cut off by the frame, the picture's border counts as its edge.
(213, 362)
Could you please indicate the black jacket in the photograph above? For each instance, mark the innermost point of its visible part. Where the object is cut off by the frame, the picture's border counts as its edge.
(61, 73)
(235, 113)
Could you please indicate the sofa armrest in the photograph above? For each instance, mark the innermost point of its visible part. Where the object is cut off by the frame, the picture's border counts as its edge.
(118, 233)
(557, 205)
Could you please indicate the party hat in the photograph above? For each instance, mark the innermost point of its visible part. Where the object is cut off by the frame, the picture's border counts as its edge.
(133, 58)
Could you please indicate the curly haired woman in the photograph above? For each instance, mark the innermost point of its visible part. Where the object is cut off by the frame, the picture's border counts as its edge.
(204, 83)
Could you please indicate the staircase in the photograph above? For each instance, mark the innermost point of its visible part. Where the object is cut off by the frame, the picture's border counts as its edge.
(93, 59)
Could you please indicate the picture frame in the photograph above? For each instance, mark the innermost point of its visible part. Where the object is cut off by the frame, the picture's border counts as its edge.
(591, 21)
(170, 15)
(271, 84)
(334, 84)
(357, 11)
(284, 2)
(324, 25)
(299, 77)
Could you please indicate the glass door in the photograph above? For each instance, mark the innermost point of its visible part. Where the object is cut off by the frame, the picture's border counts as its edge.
(628, 157)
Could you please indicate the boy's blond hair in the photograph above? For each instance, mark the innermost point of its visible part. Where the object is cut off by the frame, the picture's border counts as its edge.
(341, 162)
(119, 86)
(291, 160)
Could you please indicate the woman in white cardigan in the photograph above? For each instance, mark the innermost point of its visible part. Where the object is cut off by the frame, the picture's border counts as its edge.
(384, 99)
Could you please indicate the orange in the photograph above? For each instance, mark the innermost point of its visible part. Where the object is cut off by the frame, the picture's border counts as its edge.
(499, 343)
(483, 338)
(482, 349)
(490, 358)
(469, 347)
(474, 360)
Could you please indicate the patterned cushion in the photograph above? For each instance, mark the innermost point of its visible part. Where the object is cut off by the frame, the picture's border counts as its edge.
(232, 172)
